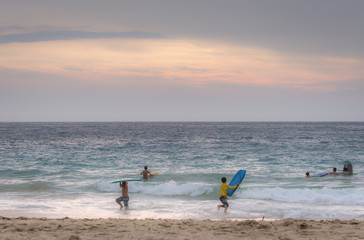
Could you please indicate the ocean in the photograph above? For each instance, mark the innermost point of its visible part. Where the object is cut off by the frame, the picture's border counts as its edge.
(60, 170)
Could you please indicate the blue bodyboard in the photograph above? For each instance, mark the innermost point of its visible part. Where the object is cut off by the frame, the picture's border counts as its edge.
(129, 180)
(320, 174)
(237, 179)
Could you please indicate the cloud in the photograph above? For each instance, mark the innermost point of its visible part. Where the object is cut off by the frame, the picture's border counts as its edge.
(42, 36)
(196, 64)
(325, 27)
(32, 96)
(11, 29)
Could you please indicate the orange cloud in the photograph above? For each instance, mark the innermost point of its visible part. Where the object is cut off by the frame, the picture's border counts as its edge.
(182, 62)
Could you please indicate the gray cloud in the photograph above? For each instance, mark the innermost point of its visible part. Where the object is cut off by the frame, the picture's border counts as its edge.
(71, 35)
(6, 29)
(329, 27)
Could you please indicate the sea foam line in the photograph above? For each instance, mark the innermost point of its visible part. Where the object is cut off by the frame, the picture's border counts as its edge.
(170, 188)
(323, 196)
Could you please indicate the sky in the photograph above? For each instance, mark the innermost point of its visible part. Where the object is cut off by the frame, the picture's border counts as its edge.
(173, 60)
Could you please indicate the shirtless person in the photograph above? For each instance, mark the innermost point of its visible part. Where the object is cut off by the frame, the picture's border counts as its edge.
(146, 173)
(334, 172)
(345, 171)
(124, 195)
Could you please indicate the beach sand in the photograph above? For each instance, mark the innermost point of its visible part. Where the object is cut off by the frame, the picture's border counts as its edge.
(74, 229)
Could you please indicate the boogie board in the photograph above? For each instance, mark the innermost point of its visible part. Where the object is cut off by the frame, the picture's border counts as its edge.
(320, 174)
(129, 180)
(237, 179)
(154, 173)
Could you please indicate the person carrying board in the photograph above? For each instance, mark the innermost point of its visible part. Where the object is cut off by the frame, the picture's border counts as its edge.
(124, 195)
(223, 194)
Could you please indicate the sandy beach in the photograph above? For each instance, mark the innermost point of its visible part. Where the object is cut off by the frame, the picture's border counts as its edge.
(73, 229)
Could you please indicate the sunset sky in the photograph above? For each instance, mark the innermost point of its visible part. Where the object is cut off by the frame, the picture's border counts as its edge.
(170, 60)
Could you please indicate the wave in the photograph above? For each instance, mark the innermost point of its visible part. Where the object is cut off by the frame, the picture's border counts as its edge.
(319, 196)
(11, 173)
(170, 188)
(323, 196)
(28, 187)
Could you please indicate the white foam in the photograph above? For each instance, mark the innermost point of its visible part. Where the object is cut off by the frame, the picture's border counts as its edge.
(312, 196)
(171, 188)
(107, 187)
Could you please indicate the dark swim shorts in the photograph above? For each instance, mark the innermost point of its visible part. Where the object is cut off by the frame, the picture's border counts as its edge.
(124, 199)
(224, 201)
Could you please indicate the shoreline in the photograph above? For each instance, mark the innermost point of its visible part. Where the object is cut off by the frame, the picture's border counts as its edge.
(115, 228)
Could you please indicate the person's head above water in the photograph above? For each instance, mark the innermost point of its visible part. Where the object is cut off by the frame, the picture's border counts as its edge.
(307, 173)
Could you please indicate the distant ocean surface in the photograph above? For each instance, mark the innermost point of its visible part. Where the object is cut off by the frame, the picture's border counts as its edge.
(66, 169)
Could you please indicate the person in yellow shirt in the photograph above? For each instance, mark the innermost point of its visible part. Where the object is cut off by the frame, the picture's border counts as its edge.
(223, 194)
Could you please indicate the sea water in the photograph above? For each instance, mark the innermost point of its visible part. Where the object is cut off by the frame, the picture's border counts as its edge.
(66, 169)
